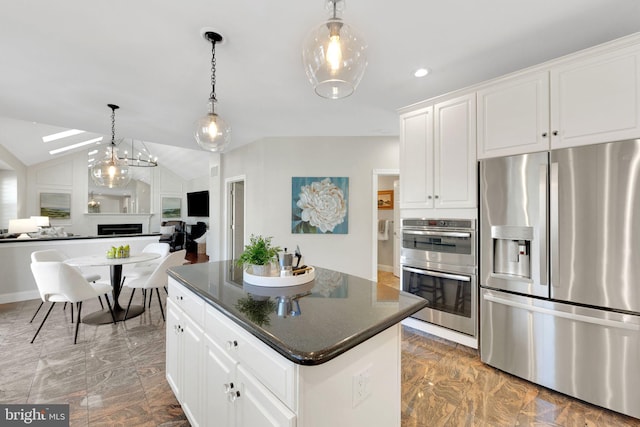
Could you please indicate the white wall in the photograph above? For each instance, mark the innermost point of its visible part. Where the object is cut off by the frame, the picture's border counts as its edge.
(8, 197)
(68, 174)
(269, 165)
(21, 178)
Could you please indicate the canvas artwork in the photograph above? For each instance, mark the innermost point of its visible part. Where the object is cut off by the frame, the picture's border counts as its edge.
(319, 205)
(55, 205)
(171, 207)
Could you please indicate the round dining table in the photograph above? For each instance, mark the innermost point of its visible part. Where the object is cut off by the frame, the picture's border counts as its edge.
(115, 264)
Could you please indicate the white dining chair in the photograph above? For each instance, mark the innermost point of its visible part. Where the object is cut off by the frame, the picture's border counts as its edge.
(144, 268)
(56, 255)
(157, 279)
(59, 282)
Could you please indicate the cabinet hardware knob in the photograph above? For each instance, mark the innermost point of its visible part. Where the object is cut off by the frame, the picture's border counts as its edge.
(228, 387)
(233, 395)
(437, 197)
(429, 197)
(544, 134)
(555, 133)
(232, 344)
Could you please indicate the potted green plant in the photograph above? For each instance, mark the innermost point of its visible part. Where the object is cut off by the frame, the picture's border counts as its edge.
(258, 254)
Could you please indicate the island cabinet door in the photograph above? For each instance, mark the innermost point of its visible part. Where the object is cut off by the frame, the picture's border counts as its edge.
(173, 335)
(192, 338)
(257, 406)
(221, 388)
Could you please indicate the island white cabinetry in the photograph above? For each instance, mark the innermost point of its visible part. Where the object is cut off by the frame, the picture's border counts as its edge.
(591, 97)
(185, 336)
(223, 375)
(249, 383)
(438, 154)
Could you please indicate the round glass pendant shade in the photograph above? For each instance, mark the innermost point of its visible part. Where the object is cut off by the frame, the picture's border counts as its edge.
(212, 133)
(110, 171)
(334, 58)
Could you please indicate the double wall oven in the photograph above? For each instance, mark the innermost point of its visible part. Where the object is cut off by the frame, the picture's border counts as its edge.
(439, 263)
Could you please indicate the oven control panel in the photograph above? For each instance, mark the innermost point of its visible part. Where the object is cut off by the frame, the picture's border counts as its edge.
(440, 223)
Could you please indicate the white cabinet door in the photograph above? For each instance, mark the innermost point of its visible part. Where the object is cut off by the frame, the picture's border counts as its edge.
(173, 348)
(596, 99)
(455, 153)
(191, 354)
(416, 159)
(513, 116)
(220, 384)
(256, 406)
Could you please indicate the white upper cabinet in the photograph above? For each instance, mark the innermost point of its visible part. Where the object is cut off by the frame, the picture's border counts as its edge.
(513, 116)
(596, 99)
(438, 155)
(455, 153)
(588, 98)
(416, 159)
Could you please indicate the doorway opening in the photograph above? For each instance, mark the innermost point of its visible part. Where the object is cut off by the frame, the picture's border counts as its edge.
(386, 226)
(235, 188)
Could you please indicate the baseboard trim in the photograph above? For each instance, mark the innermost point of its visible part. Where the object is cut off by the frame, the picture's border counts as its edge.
(385, 268)
(441, 332)
(19, 296)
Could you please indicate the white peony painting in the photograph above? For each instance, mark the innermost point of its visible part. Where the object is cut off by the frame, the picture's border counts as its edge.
(319, 205)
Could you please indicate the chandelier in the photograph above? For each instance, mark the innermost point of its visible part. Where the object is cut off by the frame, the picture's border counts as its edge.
(212, 133)
(141, 159)
(111, 171)
(334, 55)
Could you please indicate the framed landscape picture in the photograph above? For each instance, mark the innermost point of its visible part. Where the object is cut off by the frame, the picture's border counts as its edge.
(319, 205)
(171, 207)
(385, 199)
(55, 205)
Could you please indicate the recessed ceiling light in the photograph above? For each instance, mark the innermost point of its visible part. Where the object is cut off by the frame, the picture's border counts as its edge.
(421, 72)
(60, 135)
(71, 147)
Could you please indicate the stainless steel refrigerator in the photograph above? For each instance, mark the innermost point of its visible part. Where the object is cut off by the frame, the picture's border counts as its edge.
(560, 270)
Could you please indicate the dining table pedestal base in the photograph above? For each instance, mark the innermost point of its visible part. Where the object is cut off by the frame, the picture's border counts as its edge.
(103, 317)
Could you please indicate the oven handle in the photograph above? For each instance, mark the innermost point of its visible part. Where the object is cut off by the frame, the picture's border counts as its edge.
(437, 274)
(437, 233)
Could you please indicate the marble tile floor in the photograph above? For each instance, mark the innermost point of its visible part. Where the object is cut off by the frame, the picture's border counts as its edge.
(114, 376)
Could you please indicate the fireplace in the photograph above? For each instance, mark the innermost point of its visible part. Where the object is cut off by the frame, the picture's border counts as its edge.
(107, 229)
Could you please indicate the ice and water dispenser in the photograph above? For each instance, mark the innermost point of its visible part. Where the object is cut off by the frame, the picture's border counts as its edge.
(512, 250)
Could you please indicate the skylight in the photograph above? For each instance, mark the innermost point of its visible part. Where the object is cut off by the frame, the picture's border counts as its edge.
(71, 147)
(60, 135)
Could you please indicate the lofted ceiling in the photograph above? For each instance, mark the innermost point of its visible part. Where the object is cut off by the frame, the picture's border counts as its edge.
(62, 62)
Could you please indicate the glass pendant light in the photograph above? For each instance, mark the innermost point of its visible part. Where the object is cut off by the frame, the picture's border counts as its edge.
(212, 133)
(111, 171)
(334, 56)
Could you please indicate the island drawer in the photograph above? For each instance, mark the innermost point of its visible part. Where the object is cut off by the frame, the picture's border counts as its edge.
(188, 302)
(270, 368)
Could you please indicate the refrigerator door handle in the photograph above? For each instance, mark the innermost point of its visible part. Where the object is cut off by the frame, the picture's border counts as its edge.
(543, 226)
(554, 208)
(571, 316)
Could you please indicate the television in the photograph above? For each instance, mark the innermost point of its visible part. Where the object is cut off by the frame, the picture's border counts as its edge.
(198, 203)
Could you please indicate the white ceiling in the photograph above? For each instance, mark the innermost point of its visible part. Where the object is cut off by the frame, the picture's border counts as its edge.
(62, 62)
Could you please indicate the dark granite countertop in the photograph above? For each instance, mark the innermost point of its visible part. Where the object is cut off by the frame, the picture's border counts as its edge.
(332, 314)
(46, 239)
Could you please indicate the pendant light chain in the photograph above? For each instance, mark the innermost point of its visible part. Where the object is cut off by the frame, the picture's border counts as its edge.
(213, 71)
(113, 131)
(113, 125)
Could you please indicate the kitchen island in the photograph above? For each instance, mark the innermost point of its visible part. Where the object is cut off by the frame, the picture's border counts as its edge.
(323, 353)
